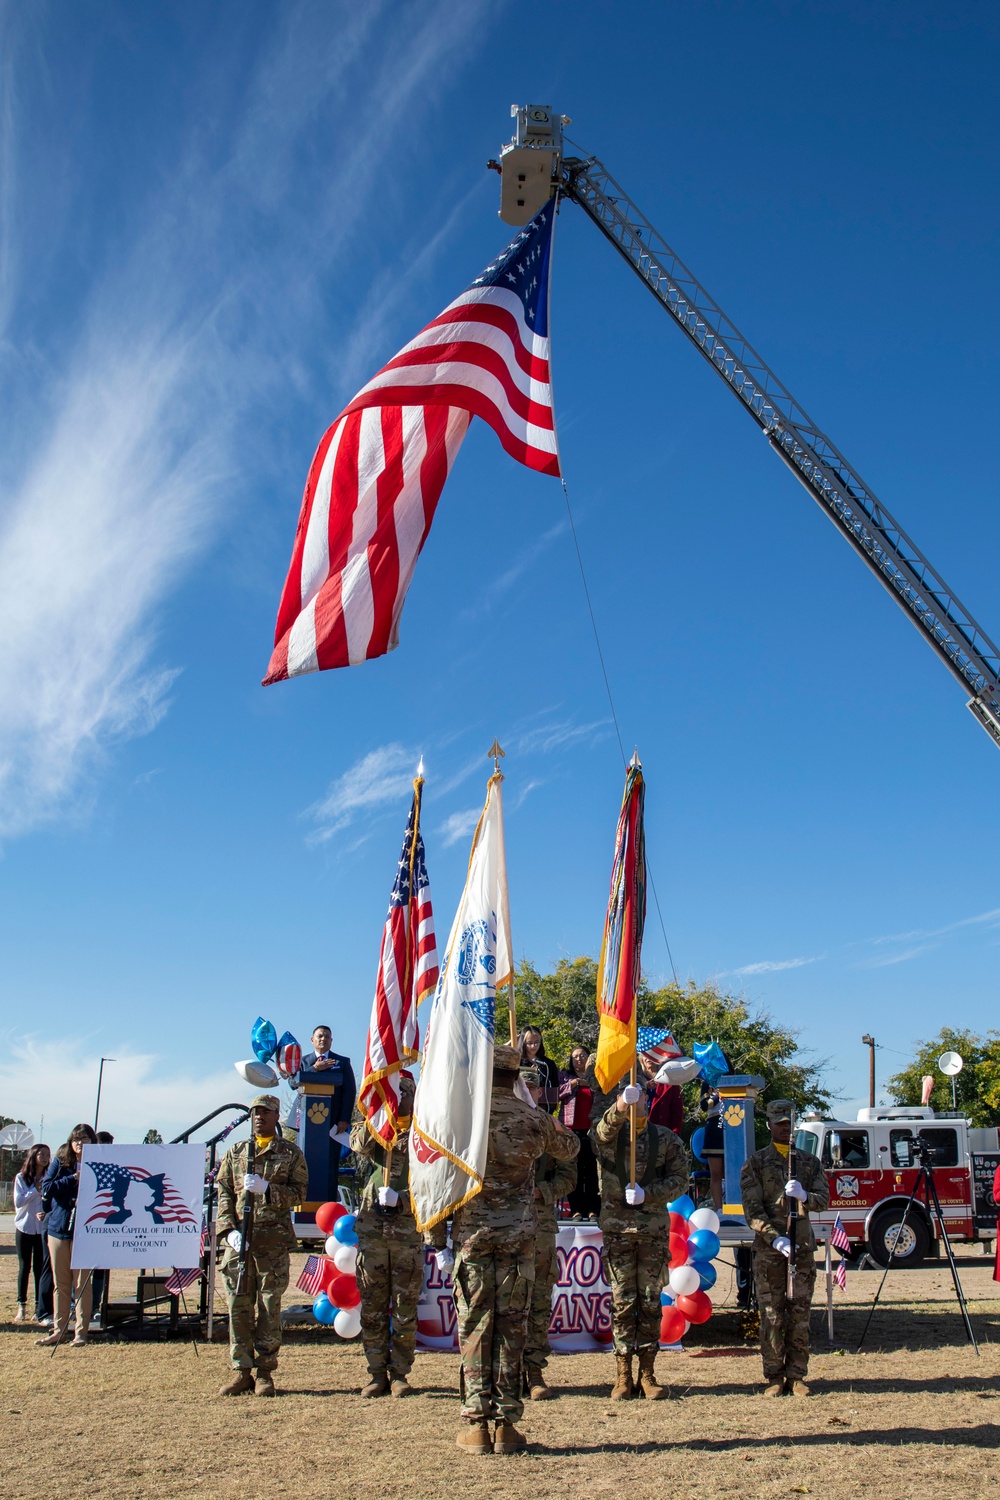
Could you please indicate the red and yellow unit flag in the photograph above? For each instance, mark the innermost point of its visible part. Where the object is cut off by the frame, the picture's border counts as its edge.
(619, 971)
(407, 973)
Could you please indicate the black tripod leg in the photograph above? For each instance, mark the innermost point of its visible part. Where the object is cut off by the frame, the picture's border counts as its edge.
(888, 1264)
(932, 1194)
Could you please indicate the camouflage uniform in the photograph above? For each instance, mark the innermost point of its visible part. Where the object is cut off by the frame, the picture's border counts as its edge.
(636, 1240)
(493, 1236)
(784, 1325)
(390, 1255)
(553, 1180)
(255, 1315)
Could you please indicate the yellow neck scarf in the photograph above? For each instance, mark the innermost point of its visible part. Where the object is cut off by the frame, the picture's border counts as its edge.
(782, 1150)
(263, 1141)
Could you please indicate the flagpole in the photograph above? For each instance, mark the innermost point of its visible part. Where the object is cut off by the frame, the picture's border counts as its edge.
(496, 752)
(417, 789)
(631, 1119)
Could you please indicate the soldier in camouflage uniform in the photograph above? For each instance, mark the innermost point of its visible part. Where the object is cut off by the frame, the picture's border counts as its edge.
(493, 1235)
(554, 1180)
(278, 1181)
(767, 1194)
(636, 1238)
(390, 1253)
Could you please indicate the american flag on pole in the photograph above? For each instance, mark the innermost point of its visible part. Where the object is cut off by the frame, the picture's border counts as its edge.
(838, 1237)
(407, 972)
(311, 1277)
(379, 470)
(618, 972)
(657, 1044)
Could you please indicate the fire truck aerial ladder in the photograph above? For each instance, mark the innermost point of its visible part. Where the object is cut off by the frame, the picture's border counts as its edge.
(532, 168)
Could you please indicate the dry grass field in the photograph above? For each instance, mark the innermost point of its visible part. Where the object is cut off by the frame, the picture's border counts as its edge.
(916, 1414)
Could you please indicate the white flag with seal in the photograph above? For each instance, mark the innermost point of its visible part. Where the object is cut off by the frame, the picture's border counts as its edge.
(451, 1110)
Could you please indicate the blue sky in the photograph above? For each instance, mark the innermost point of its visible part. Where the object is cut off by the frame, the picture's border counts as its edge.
(215, 224)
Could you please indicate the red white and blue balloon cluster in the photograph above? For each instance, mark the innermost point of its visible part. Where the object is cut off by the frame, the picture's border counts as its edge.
(339, 1302)
(694, 1244)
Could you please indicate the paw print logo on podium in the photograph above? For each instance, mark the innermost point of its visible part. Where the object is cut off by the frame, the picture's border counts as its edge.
(318, 1112)
(734, 1114)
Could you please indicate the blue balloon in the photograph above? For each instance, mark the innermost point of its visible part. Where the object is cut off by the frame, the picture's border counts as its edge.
(666, 1298)
(343, 1230)
(698, 1142)
(324, 1310)
(707, 1272)
(703, 1245)
(263, 1039)
(712, 1060)
(682, 1205)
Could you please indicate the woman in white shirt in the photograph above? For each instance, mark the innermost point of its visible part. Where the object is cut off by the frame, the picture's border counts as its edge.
(29, 1236)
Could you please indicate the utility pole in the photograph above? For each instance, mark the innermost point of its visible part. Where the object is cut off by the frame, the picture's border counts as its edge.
(100, 1080)
(869, 1042)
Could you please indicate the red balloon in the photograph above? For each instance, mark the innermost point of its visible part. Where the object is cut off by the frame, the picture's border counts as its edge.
(697, 1308)
(343, 1291)
(679, 1250)
(327, 1271)
(327, 1215)
(673, 1325)
(679, 1225)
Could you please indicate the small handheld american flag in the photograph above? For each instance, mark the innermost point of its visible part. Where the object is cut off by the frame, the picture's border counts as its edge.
(838, 1237)
(311, 1279)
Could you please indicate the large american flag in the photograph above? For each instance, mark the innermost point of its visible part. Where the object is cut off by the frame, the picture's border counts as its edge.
(379, 470)
(407, 972)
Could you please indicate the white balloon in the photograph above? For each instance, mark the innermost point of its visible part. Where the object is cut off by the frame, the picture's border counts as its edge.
(684, 1280)
(331, 1247)
(678, 1070)
(348, 1322)
(345, 1258)
(705, 1218)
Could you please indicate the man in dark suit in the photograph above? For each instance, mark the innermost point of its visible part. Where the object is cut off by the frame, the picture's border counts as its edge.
(341, 1077)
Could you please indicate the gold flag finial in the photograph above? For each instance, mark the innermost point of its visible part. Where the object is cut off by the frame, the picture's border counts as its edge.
(497, 754)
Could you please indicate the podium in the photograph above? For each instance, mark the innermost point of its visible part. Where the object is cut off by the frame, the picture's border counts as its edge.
(320, 1096)
(737, 1093)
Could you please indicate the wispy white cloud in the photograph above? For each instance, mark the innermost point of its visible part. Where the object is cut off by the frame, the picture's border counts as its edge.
(560, 734)
(982, 919)
(382, 776)
(58, 1080)
(459, 825)
(133, 415)
(774, 965)
(487, 598)
(886, 959)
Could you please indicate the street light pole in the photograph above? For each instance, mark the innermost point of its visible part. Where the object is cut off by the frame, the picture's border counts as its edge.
(100, 1080)
(869, 1042)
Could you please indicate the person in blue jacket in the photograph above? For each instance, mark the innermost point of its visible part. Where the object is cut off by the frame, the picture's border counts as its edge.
(59, 1189)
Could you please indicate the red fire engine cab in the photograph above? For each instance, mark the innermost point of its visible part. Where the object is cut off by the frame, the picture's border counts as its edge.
(872, 1167)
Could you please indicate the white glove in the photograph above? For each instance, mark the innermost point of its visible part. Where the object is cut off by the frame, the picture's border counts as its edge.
(794, 1189)
(254, 1183)
(388, 1197)
(444, 1259)
(783, 1245)
(634, 1195)
(631, 1093)
(235, 1240)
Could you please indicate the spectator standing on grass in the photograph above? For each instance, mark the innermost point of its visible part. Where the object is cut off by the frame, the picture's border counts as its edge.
(104, 1138)
(59, 1193)
(533, 1055)
(576, 1103)
(29, 1236)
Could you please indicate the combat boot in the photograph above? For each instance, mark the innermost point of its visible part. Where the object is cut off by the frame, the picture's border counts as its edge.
(378, 1385)
(623, 1389)
(242, 1381)
(507, 1439)
(775, 1387)
(647, 1379)
(400, 1386)
(797, 1387)
(475, 1438)
(534, 1381)
(264, 1384)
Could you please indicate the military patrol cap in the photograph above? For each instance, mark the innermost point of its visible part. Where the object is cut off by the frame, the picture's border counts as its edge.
(406, 1083)
(780, 1109)
(506, 1059)
(531, 1076)
(266, 1101)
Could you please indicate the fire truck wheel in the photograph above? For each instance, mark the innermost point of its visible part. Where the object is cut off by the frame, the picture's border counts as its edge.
(908, 1248)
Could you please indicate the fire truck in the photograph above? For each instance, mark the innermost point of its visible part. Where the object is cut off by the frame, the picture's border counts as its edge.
(872, 1167)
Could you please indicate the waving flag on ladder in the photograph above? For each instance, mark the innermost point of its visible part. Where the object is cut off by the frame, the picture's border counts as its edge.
(407, 972)
(451, 1111)
(379, 470)
(618, 972)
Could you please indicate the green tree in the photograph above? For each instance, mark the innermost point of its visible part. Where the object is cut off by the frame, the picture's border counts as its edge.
(563, 1005)
(977, 1087)
(152, 1138)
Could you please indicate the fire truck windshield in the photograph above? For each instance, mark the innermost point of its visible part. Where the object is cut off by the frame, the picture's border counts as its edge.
(806, 1141)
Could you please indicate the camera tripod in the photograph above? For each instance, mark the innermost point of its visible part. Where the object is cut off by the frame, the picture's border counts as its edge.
(925, 1178)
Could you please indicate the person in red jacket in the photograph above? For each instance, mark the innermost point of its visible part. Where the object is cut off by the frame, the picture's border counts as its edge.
(663, 1100)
